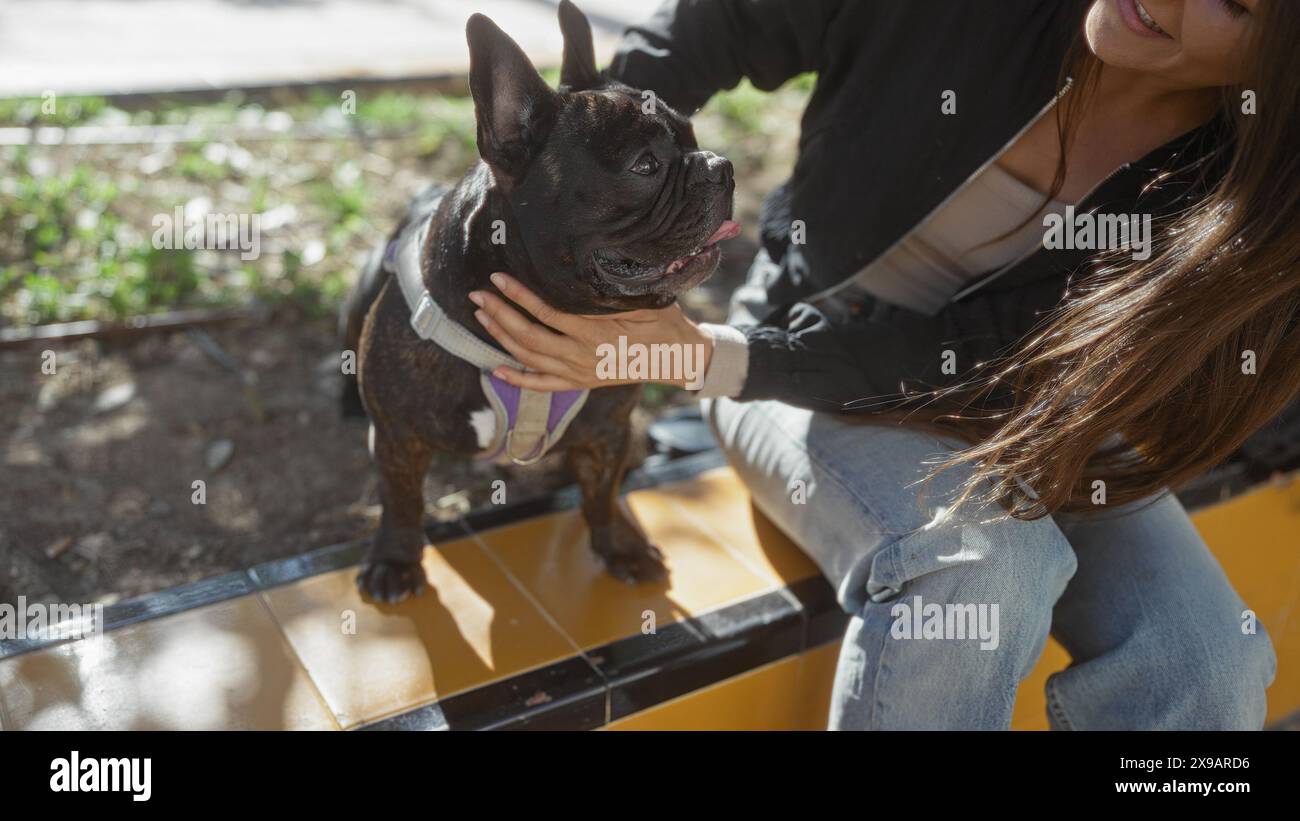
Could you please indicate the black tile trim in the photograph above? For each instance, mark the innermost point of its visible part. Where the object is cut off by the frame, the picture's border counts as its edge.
(652, 473)
(639, 672)
(825, 620)
(644, 671)
(565, 695)
(151, 606)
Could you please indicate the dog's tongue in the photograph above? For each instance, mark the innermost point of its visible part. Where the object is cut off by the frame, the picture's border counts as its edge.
(727, 230)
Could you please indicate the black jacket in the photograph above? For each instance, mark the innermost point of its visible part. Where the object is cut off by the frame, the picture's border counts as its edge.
(876, 156)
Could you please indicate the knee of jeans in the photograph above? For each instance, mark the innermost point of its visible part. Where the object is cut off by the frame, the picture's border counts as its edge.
(1023, 565)
(1221, 674)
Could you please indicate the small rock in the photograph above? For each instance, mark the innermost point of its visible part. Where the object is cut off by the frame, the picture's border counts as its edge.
(110, 399)
(453, 504)
(151, 164)
(278, 217)
(218, 454)
(313, 252)
(158, 508)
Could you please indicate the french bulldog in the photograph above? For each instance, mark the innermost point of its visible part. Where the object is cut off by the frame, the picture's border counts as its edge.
(607, 205)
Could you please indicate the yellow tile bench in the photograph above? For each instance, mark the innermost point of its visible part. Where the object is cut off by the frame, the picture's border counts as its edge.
(522, 629)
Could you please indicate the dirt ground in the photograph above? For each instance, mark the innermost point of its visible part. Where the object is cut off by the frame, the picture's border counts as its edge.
(100, 460)
(101, 463)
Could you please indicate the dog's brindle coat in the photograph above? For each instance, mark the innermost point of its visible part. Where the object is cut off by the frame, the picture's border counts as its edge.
(555, 172)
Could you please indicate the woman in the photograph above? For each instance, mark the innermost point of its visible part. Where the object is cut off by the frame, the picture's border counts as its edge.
(924, 268)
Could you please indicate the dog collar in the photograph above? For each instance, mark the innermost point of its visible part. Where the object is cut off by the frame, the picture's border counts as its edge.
(528, 423)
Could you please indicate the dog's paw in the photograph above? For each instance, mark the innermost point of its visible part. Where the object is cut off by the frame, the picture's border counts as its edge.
(628, 557)
(637, 568)
(391, 582)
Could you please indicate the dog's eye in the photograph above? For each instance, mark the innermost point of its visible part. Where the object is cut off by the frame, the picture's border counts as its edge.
(646, 165)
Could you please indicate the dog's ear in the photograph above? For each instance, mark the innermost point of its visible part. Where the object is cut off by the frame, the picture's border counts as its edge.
(513, 105)
(578, 71)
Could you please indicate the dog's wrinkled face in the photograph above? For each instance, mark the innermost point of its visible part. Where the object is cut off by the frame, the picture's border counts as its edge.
(639, 206)
(617, 206)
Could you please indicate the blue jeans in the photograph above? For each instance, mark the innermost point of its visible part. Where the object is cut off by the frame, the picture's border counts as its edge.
(1157, 634)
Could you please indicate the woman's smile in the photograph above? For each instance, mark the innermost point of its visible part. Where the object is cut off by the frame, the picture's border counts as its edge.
(1145, 18)
(1139, 20)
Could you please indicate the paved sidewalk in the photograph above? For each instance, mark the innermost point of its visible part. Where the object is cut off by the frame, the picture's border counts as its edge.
(132, 46)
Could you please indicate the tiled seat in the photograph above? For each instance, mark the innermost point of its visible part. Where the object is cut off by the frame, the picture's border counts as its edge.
(523, 629)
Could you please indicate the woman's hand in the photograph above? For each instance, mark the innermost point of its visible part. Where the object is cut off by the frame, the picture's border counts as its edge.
(566, 351)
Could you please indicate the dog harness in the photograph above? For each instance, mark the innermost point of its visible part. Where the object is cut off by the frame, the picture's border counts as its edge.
(528, 423)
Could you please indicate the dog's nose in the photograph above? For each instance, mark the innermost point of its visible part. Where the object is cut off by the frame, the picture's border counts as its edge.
(715, 169)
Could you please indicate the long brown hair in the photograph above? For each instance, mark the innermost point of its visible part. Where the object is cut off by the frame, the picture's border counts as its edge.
(1138, 378)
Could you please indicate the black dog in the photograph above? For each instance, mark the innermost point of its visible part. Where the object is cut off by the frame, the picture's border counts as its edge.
(605, 204)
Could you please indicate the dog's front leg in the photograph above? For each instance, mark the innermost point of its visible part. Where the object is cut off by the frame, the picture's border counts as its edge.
(392, 570)
(598, 465)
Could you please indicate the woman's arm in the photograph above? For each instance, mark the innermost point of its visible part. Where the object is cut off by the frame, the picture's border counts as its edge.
(866, 362)
(691, 49)
(860, 363)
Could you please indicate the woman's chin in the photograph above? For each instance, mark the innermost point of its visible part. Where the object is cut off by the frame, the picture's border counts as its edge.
(1112, 42)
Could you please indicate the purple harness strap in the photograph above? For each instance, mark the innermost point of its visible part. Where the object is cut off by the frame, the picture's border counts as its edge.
(527, 423)
(564, 406)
